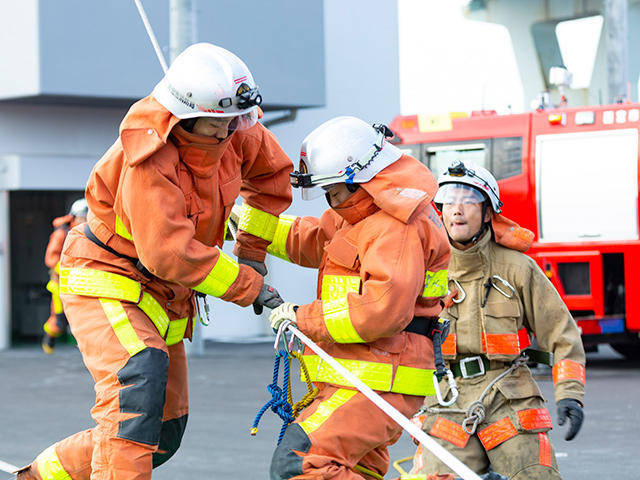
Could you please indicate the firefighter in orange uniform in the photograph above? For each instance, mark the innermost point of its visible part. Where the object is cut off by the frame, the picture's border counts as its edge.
(499, 419)
(382, 257)
(158, 201)
(56, 324)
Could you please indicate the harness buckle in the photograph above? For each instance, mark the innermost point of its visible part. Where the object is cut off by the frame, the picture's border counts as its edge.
(463, 367)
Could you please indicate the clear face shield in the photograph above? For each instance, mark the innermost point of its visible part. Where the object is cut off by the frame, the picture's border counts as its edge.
(457, 194)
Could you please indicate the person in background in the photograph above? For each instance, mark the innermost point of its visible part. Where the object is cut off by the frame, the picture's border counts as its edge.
(56, 325)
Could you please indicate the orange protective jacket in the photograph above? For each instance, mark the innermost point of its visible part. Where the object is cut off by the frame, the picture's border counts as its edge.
(384, 238)
(61, 227)
(162, 195)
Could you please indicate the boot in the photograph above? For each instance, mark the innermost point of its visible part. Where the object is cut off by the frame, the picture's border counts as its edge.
(48, 344)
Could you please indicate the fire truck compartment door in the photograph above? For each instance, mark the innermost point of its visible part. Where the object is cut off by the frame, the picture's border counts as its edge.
(587, 186)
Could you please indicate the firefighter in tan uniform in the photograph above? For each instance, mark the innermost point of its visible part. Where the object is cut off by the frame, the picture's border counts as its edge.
(499, 419)
(381, 254)
(158, 202)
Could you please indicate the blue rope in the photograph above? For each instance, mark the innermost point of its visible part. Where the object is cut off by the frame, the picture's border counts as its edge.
(279, 403)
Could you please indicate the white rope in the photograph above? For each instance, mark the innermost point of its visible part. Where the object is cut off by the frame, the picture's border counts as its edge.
(152, 36)
(7, 467)
(452, 462)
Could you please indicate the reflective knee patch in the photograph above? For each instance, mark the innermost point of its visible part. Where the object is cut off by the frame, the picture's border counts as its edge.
(286, 463)
(144, 381)
(170, 438)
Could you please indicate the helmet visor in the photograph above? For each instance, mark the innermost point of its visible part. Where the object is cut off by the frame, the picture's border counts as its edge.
(244, 121)
(458, 194)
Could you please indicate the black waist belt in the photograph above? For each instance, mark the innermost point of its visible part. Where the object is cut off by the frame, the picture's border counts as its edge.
(421, 326)
(477, 365)
(91, 236)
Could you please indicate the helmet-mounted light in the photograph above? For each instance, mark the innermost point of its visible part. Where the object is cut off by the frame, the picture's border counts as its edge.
(302, 178)
(458, 169)
(245, 98)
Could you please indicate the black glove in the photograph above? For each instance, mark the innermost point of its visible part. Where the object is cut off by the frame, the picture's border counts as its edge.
(259, 267)
(568, 407)
(268, 297)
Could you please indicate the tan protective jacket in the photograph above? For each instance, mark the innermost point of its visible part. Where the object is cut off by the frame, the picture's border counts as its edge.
(381, 259)
(502, 328)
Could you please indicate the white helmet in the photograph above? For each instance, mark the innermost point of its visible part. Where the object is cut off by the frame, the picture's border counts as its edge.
(474, 176)
(342, 150)
(208, 81)
(79, 208)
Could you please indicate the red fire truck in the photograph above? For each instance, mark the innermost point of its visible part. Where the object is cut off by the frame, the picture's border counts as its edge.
(571, 176)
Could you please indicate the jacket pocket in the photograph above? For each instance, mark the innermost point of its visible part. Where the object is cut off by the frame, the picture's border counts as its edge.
(229, 190)
(343, 254)
(500, 327)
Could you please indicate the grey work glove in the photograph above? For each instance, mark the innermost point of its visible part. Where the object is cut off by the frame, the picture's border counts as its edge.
(259, 267)
(268, 297)
(570, 408)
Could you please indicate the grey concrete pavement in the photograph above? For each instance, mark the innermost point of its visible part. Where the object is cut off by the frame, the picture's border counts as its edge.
(45, 398)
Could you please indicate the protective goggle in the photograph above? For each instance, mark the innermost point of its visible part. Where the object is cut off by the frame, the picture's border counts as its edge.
(303, 179)
(458, 194)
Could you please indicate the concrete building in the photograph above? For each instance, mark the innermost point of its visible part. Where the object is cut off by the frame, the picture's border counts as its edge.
(71, 68)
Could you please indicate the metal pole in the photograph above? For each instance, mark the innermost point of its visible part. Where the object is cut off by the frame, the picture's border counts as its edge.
(182, 33)
(182, 26)
(616, 28)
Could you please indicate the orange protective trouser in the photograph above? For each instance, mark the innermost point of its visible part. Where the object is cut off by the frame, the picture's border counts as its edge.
(339, 430)
(141, 404)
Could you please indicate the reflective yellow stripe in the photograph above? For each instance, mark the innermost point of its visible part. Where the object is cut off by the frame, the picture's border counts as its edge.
(376, 375)
(435, 284)
(338, 321)
(155, 312)
(335, 287)
(121, 325)
(54, 288)
(57, 268)
(325, 409)
(122, 230)
(221, 276)
(258, 223)
(335, 307)
(176, 331)
(413, 381)
(413, 476)
(278, 247)
(96, 283)
(50, 467)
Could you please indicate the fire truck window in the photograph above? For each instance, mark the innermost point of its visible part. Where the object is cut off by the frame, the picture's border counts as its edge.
(507, 157)
(440, 157)
(575, 277)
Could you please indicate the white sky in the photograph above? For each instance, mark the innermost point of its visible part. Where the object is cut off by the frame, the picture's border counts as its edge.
(449, 63)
